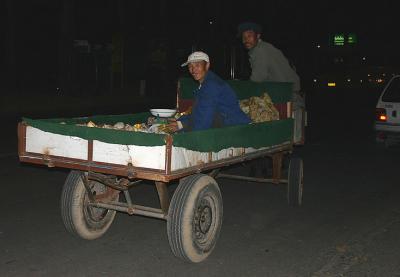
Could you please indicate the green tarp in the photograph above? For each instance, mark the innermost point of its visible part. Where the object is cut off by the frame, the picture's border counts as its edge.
(106, 135)
(251, 135)
(254, 135)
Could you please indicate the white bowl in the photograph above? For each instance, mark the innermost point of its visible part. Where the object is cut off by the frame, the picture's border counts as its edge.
(163, 112)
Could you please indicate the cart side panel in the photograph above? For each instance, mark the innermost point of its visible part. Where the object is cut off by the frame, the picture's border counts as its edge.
(139, 156)
(40, 142)
(70, 147)
(185, 158)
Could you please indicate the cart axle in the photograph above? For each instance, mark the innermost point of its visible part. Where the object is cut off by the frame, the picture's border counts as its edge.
(131, 210)
(253, 179)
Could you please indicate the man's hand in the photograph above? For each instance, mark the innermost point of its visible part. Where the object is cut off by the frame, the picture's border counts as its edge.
(173, 125)
(150, 120)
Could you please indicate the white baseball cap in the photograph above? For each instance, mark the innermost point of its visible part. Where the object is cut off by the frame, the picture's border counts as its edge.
(196, 57)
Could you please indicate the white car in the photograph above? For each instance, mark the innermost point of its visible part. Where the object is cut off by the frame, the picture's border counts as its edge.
(387, 119)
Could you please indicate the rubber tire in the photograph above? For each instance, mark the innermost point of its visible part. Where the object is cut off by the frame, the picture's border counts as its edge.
(181, 223)
(75, 213)
(295, 182)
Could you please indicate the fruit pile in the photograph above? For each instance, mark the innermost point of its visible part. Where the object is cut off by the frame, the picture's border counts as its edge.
(259, 109)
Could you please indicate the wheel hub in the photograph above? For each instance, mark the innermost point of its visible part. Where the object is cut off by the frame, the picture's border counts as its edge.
(203, 220)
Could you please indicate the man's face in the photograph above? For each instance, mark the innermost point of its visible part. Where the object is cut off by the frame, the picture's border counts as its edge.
(199, 70)
(250, 39)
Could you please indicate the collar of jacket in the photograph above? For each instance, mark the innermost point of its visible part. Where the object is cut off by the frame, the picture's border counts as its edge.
(259, 42)
(209, 75)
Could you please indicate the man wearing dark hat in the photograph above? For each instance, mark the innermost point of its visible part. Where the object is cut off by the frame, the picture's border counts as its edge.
(269, 64)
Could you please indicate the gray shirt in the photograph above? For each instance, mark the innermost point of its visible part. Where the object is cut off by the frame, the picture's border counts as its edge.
(269, 64)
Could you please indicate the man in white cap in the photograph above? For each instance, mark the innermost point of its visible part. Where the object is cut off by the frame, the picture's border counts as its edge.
(215, 102)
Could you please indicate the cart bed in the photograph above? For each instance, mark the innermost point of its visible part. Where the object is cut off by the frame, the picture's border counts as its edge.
(66, 143)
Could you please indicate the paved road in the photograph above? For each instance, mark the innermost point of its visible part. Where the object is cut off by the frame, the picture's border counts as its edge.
(349, 223)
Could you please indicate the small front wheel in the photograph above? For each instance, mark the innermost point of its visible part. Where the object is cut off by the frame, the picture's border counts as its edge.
(79, 217)
(195, 218)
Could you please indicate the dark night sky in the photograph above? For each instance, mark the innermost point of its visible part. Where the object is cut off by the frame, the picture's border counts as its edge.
(294, 26)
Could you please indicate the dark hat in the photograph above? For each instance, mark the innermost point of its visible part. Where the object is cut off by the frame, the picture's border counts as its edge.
(247, 26)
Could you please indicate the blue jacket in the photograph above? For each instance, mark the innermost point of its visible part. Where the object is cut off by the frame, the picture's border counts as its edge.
(215, 105)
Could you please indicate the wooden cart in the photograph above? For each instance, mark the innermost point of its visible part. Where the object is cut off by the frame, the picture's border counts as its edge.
(105, 163)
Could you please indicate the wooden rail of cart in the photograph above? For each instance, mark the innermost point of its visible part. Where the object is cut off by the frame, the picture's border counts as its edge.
(106, 162)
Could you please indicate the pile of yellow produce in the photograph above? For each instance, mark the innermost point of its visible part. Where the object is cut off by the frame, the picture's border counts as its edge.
(138, 127)
(259, 109)
(116, 126)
